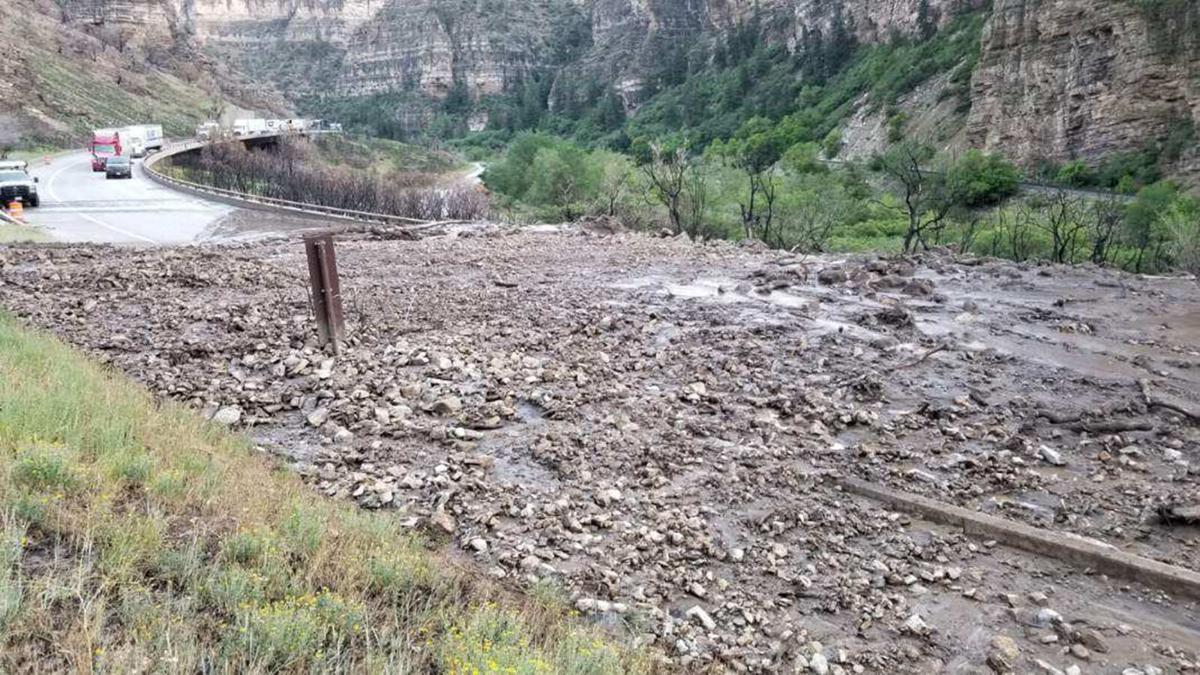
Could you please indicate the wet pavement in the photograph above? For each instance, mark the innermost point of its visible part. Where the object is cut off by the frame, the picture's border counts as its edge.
(79, 205)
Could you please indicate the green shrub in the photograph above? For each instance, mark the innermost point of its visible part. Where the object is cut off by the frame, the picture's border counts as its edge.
(42, 468)
(984, 179)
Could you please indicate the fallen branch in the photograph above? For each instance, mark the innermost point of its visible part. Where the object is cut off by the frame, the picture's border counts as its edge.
(1059, 418)
(1153, 402)
(924, 357)
(1111, 426)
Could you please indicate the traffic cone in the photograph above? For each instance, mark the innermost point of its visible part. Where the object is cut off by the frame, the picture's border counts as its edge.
(17, 211)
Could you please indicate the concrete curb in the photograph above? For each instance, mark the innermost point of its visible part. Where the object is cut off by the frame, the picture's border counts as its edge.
(1062, 546)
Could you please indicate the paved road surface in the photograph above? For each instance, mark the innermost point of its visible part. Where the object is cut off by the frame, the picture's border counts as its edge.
(79, 205)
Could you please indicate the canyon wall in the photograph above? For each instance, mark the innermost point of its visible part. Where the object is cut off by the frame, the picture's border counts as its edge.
(1056, 79)
(1084, 78)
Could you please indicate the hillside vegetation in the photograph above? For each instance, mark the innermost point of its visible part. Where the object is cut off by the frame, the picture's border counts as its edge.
(63, 75)
(136, 537)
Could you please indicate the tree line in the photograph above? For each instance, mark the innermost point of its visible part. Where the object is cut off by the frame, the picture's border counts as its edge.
(755, 185)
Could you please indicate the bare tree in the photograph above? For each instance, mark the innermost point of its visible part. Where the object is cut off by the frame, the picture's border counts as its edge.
(1015, 231)
(926, 196)
(1062, 218)
(1105, 225)
(667, 172)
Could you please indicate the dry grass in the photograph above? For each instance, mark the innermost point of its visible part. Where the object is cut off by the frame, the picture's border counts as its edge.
(136, 537)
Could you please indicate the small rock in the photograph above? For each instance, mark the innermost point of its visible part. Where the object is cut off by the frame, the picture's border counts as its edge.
(1080, 652)
(479, 544)
(818, 664)
(916, 625)
(448, 405)
(1047, 668)
(1051, 455)
(606, 497)
(443, 521)
(229, 415)
(1093, 640)
(318, 417)
(698, 614)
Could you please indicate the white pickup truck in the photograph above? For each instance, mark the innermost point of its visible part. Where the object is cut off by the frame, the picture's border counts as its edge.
(16, 184)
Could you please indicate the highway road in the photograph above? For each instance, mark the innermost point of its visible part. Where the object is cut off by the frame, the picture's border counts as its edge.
(78, 205)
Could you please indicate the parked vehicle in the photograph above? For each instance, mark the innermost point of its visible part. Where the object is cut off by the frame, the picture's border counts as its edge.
(17, 185)
(105, 143)
(120, 166)
(142, 139)
(249, 127)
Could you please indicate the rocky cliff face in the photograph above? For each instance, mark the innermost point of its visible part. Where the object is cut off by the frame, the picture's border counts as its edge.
(357, 47)
(1057, 79)
(1084, 78)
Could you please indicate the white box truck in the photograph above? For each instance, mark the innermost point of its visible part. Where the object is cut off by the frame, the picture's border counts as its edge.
(249, 127)
(208, 131)
(142, 139)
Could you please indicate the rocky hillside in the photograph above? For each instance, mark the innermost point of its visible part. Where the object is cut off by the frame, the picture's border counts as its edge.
(1086, 78)
(68, 67)
(1056, 79)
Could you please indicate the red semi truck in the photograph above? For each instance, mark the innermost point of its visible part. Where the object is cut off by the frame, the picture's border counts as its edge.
(105, 143)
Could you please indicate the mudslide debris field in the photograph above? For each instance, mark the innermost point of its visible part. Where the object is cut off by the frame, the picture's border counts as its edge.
(663, 429)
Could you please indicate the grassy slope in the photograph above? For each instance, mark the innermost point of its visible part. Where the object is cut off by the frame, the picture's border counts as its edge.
(10, 233)
(135, 536)
(383, 155)
(82, 101)
(62, 75)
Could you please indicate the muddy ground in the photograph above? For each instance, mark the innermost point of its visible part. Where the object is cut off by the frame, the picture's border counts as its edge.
(657, 426)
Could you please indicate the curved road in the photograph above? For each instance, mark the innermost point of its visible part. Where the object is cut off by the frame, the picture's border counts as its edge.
(78, 205)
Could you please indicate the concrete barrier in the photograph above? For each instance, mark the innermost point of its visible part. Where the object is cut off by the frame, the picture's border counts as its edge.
(246, 200)
(1064, 546)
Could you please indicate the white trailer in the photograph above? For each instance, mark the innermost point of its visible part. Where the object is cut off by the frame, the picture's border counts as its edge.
(208, 131)
(249, 127)
(142, 139)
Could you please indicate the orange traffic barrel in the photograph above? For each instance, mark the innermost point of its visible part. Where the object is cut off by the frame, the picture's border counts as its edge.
(16, 210)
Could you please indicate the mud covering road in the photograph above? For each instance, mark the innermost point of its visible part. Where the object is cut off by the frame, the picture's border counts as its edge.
(658, 426)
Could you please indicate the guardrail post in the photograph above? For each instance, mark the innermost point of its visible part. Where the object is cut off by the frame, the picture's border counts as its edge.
(326, 289)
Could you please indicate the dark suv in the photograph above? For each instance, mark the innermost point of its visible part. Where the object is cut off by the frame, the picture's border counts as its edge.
(118, 167)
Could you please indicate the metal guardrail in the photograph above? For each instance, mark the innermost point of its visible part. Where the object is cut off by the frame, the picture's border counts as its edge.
(148, 165)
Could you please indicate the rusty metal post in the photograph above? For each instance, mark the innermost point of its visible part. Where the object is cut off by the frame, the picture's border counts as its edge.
(326, 289)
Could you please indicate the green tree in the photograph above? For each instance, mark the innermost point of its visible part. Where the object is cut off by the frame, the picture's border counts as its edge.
(811, 207)
(832, 144)
(1146, 224)
(984, 179)
(676, 181)
(1076, 173)
(755, 150)
(616, 181)
(803, 158)
(512, 175)
(1182, 221)
(564, 178)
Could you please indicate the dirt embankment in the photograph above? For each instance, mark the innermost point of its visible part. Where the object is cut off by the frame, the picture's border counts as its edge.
(659, 426)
